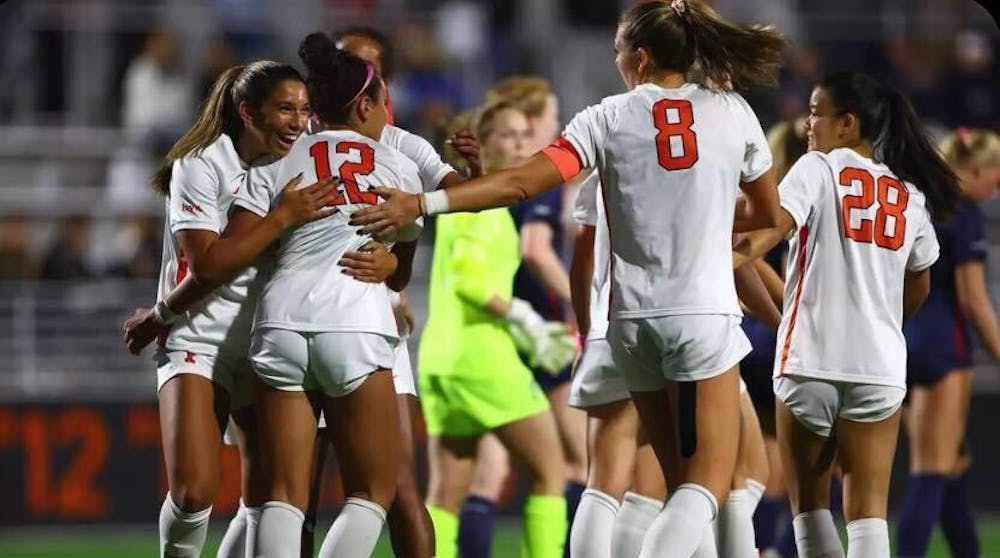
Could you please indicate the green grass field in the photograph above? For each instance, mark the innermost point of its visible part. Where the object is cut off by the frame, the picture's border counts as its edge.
(133, 542)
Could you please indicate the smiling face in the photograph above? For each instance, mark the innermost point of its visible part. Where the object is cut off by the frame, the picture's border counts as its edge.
(827, 128)
(282, 118)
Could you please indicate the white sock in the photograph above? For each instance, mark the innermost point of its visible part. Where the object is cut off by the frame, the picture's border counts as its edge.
(233, 543)
(816, 535)
(755, 490)
(279, 533)
(253, 523)
(868, 538)
(707, 548)
(182, 534)
(355, 531)
(636, 514)
(680, 527)
(592, 525)
(736, 536)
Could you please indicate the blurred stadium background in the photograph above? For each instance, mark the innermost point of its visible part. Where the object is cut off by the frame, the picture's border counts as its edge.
(93, 91)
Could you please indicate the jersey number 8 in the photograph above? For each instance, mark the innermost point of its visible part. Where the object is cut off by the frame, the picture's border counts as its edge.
(680, 129)
(868, 231)
(348, 171)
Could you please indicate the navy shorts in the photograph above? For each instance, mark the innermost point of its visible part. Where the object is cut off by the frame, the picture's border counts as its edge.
(932, 355)
(757, 368)
(550, 382)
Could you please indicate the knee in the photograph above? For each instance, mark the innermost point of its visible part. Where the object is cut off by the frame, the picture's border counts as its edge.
(609, 479)
(194, 493)
(407, 491)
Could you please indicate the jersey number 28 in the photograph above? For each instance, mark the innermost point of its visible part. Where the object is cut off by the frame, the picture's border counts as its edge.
(869, 231)
(681, 129)
(348, 171)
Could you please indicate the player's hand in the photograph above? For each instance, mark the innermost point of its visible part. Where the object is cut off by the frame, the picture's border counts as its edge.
(299, 206)
(141, 329)
(389, 217)
(467, 145)
(555, 350)
(371, 264)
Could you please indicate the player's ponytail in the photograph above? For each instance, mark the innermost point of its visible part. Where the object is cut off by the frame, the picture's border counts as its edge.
(251, 83)
(687, 35)
(217, 114)
(898, 138)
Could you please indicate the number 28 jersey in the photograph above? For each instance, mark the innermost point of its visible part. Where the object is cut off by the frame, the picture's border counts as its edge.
(307, 289)
(859, 229)
(671, 162)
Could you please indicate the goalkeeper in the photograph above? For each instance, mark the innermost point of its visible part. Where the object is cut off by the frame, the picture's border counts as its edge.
(472, 380)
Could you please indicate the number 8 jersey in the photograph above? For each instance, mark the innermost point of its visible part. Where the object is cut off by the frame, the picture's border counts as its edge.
(671, 162)
(307, 290)
(859, 229)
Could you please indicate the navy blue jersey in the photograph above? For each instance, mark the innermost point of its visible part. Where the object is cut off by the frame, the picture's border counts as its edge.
(546, 208)
(938, 337)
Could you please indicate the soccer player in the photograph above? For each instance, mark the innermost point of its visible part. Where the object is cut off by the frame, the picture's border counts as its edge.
(673, 155)
(252, 111)
(859, 266)
(320, 335)
(939, 371)
(541, 280)
(471, 378)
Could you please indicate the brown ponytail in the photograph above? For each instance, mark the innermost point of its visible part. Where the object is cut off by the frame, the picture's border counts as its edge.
(684, 35)
(218, 115)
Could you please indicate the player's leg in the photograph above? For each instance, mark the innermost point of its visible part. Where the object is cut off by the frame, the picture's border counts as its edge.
(242, 430)
(364, 427)
(735, 524)
(450, 462)
(641, 504)
(805, 414)
(865, 451)
(957, 521)
(410, 527)
(477, 517)
(935, 425)
(572, 428)
(320, 452)
(612, 432)
(193, 411)
(530, 441)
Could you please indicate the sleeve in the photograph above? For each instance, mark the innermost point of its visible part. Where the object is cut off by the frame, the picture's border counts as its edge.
(800, 190)
(471, 260)
(582, 140)
(757, 156)
(429, 164)
(969, 234)
(259, 189)
(194, 196)
(585, 205)
(925, 249)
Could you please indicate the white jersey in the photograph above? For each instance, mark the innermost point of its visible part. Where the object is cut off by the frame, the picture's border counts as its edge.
(859, 230)
(671, 163)
(203, 187)
(307, 289)
(589, 210)
(432, 169)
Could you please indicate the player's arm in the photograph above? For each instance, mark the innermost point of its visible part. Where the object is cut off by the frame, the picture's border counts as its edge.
(753, 294)
(581, 274)
(974, 302)
(541, 258)
(403, 252)
(533, 177)
(759, 208)
(755, 244)
(916, 287)
(772, 281)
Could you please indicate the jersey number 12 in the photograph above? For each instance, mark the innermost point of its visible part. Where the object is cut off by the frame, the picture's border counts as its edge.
(680, 129)
(869, 230)
(348, 171)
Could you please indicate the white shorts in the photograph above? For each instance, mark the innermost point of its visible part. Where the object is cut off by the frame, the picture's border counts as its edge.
(818, 404)
(229, 371)
(682, 348)
(596, 381)
(402, 371)
(335, 363)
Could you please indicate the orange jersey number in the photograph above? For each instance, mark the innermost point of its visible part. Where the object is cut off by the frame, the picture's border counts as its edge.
(681, 128)
(348, 171)
(873, 190)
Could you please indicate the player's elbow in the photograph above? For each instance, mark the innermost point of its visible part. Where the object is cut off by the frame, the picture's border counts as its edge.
(206, 274)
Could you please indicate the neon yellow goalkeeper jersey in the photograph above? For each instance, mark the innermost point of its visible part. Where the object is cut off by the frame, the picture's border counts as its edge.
(475, 258)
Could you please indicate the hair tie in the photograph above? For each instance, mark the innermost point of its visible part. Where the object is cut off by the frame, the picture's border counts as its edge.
(368, 81)
(679, 6)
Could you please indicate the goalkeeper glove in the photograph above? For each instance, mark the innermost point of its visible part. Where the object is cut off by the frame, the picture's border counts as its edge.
(548, 345)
